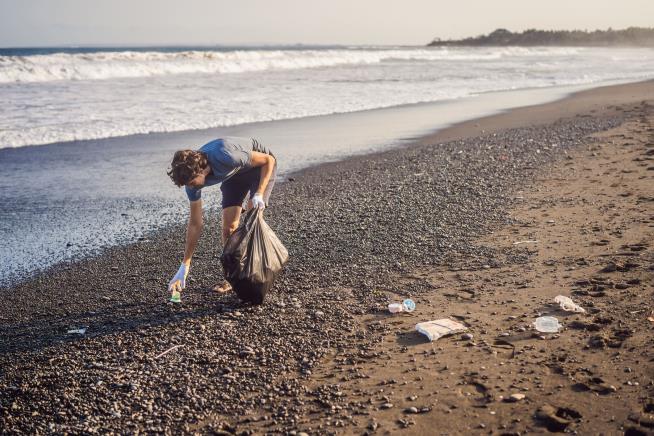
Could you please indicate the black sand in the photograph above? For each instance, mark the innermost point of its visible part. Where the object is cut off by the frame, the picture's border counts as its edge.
(349, 227)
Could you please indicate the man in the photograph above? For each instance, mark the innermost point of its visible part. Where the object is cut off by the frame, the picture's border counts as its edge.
(242, 166)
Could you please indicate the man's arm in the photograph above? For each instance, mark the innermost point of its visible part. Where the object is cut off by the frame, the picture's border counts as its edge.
(267, 162)
(193, 230)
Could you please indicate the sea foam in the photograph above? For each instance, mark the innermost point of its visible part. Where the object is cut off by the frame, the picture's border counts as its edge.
(65, 96)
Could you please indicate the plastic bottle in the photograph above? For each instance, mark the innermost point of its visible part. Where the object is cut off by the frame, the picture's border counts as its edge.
(407, 305)
(547, 324)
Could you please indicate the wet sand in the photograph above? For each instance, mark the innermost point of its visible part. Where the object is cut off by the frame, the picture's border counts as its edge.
(435, 221)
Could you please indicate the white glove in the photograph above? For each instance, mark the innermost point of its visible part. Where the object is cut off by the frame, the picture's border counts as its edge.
(257, 202)
(179, 281)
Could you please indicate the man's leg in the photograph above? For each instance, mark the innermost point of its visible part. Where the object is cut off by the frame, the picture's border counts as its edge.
(231, 218)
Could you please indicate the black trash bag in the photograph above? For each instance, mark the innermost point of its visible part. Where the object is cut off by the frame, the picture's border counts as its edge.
(252, 258)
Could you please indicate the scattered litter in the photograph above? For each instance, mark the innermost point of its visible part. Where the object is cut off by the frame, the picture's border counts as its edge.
(167, 351)
(176, 297)
(547, 324)
(524, 242)
(407, 306)
(441, 327)
(80, 331)
(568, 305)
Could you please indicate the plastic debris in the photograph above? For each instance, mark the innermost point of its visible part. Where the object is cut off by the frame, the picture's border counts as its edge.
(435, 330)
(568, 305)
(79, 331)
(407, 305)
(167, 351)
(547, 324)
(176, 297)
(525, 242)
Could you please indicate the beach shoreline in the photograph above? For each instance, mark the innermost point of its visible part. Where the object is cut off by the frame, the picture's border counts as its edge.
(44, 235)
(349, 241)
(41, 232)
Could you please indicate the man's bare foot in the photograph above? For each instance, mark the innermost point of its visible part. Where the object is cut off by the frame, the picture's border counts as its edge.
(222, 288)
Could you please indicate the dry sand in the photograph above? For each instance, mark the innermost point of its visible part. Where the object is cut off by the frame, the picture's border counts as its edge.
(583, 229)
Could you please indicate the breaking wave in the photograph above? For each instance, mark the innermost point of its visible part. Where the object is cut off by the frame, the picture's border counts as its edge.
(131, 64)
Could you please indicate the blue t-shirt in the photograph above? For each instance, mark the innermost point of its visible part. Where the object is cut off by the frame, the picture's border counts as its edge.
(227, 156)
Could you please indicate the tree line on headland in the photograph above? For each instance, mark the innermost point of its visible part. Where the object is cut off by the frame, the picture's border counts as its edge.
(633, 36)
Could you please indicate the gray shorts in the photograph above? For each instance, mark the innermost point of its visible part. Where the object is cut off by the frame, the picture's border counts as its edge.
(235, 190)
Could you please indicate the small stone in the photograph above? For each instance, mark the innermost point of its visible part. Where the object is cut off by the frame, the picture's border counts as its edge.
(387, 405)
(411, 410)
(467, 336)
(247, 351)
(514, 398)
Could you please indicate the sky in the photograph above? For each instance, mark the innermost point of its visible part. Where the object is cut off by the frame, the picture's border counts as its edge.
(251, 22)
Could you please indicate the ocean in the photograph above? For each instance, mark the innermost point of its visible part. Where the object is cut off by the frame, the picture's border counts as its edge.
(86, 133)
(75, 94)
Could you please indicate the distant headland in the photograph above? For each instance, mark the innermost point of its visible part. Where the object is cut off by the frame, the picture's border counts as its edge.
(633, 36)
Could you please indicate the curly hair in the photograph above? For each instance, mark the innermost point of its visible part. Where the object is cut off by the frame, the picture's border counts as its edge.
(186, 165)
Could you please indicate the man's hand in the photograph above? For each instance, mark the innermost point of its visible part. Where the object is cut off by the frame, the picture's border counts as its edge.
(179, 281)
(257, 201)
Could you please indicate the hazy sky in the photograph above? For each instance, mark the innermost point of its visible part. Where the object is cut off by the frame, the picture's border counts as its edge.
(119, 22)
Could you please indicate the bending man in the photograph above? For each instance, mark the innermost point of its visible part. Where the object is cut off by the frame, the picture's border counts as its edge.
(242, 166)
